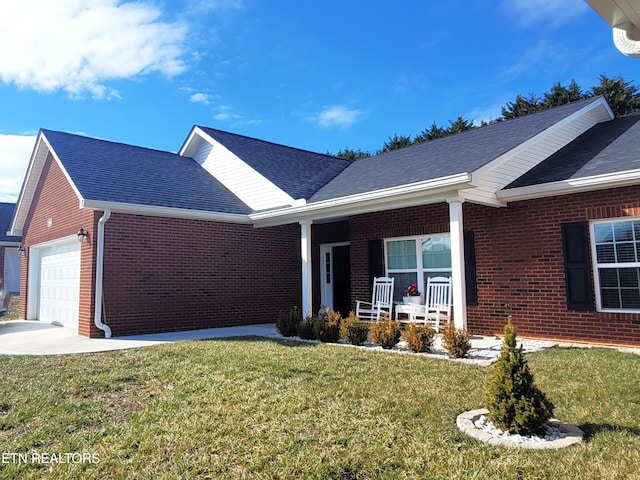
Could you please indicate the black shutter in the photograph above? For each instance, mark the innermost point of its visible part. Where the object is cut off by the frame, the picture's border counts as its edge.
(376, 267)
(577, 266)
(471, 282)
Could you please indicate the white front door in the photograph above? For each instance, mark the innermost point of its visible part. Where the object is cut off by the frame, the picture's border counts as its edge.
(59, 284)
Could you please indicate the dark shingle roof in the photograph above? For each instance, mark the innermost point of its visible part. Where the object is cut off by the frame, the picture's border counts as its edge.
(6, 214)
(300, 173)
(456, 154)
(608, 147)
(115, 172)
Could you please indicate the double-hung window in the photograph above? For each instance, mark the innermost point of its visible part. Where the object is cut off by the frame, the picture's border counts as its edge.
(616, 257)
(414, 259)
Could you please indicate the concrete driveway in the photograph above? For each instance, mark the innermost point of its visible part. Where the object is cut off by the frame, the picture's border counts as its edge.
(26, 337)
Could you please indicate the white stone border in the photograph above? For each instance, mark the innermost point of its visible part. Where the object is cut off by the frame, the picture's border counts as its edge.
(466, 423)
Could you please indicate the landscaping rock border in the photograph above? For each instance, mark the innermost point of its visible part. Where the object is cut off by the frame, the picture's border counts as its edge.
(466, 423)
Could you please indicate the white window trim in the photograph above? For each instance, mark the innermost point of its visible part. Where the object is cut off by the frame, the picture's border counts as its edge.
(596, 265)
(419, 267)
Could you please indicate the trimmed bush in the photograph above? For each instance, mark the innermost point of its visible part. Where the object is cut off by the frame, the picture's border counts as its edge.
(287, 322)
(327, 326)
(353, 330)
(515, 404)
(386, 333)
(306, 328)
(455, 341)
(419, 337)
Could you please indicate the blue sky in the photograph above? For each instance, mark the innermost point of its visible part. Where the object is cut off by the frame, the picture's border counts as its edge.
(318, 75)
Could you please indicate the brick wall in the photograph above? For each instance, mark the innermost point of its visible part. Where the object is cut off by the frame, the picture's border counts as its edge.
(173, 274)
(427, 219)
(520, 268)
(58, 215)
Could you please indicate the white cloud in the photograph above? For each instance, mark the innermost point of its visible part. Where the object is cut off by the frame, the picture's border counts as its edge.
(78, 45)
(15, 152)
(529, 13)
(200, 98)
(337, 116)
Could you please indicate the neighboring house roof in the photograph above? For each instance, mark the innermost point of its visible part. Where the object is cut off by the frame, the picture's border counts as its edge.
(608, 148)
(457, 154)
(6, 213)
(299, 173)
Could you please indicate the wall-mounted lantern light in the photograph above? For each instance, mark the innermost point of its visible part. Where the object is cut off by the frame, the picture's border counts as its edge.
(21, 250)
(83, 235)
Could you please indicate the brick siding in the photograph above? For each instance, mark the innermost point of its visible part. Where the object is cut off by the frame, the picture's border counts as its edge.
(165, 274)
(56, 201)
(520, 269)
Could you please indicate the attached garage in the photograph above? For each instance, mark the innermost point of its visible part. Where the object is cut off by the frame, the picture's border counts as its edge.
(55, 283)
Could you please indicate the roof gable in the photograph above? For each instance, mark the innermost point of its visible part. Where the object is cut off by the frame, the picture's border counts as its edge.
(465, 152)
(296, 173)
(107, 171)
(127, 178)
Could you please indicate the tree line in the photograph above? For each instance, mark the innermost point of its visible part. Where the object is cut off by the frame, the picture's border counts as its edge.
(622, 95)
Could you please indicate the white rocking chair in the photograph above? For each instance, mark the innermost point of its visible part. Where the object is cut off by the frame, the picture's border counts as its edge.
(381, 302)
(437, 305)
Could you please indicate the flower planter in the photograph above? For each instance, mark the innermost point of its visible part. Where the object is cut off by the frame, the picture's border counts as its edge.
(416, 299)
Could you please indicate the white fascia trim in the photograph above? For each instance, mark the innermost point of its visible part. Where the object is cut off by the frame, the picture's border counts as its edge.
(565, 187)
(487, 168)
(32, 178)
(430, 191)
(171, 212)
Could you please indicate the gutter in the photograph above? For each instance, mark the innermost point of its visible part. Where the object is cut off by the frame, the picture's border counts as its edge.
(97, 318)
(393, 197)
(626, 38)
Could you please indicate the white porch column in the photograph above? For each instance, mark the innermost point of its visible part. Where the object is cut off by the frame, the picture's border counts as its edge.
(456, 228)
(307, 274)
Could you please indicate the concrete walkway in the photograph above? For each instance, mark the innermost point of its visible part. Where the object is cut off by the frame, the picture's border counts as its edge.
(26, 337)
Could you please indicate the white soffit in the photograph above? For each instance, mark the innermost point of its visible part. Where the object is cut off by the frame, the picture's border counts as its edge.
(251, 187)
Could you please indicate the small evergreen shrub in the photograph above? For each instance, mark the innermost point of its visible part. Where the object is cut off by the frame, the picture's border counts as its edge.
(419, 337)
(353, 330)
(386, 333)
(287, 322)
(327, 326)
(515, 404)
(306, 328)
(455, 341)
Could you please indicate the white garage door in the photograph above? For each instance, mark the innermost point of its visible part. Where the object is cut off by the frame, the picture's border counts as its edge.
(60, 284)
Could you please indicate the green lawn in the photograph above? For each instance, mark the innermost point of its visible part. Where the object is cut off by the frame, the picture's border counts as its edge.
(257, 408)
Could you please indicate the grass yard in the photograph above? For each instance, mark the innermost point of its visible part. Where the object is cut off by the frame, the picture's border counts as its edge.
(13, 310)
(257, 408)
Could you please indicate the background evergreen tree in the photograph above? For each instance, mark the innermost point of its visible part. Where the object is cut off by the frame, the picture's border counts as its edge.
(515, 404)
(622, 96)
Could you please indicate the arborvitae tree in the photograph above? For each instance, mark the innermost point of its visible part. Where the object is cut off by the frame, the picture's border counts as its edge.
(515, 404)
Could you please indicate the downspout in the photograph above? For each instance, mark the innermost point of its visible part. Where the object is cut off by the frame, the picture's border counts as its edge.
(97, 318)
(626, 38)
